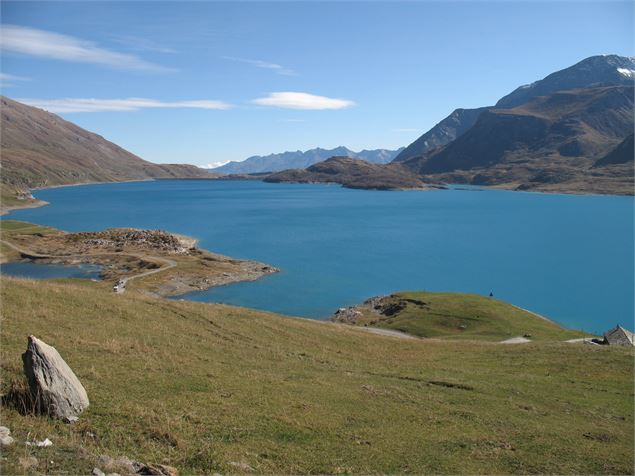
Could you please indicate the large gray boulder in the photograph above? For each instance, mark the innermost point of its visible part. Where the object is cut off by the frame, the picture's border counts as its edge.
(54, 387)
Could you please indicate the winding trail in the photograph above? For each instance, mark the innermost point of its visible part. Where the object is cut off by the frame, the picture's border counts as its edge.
(388, 333)
(167, 263)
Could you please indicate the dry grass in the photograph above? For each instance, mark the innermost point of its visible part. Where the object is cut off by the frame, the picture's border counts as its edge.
(211, 388)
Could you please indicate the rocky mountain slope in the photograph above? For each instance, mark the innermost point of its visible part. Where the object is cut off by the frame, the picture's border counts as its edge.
(550, 143)
(599, 70)
(354, 173)
(593, 71)
(441, 134)
(301, 160)
(42, 149)
(622, 154)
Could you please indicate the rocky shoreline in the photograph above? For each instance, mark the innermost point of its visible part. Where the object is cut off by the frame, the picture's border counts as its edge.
(382, 306)
(161, 263)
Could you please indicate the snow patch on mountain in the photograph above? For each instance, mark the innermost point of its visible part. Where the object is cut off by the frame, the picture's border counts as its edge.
(629, 73)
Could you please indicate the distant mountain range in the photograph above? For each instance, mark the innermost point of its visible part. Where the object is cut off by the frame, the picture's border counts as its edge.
(41, 149)
(593, 71)
(569, 132)
(301, 160)
(354, 173)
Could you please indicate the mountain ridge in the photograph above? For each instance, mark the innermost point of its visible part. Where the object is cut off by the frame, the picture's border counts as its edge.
(277, 162)
(594, 70)
(40, 149)
(552, 143)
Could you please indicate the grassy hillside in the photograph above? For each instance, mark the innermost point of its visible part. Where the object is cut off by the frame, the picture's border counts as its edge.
(9, 229)
(209, 388)
(40, 149)
(457, 316)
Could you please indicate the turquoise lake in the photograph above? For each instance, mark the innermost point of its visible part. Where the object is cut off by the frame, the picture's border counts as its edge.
(567, 257)
(50, 271)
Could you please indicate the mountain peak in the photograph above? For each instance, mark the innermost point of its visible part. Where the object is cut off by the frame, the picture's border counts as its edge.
(592, 71)
(599, 70)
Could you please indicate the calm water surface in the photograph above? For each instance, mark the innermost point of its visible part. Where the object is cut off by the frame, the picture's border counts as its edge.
(567, 257)
(28, 269)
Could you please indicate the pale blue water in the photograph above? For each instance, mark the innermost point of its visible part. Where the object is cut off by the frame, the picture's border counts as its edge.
(567, 257)
(28, 269)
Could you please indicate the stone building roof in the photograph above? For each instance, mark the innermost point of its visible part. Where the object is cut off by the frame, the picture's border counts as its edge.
(619, 336)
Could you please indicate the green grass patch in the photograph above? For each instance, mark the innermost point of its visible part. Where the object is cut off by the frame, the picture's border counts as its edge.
(10, 227)
(212, 388)
(462, 316)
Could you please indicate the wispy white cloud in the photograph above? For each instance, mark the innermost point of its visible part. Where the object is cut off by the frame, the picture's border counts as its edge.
(297, 100)
(12, 77)
(50, 45)
(6, 80)
(279, 69)
(129, 104)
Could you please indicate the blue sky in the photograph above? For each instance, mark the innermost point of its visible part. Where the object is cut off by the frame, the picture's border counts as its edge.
(214, 82)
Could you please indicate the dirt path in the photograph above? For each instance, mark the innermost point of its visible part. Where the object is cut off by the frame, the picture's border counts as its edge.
(388, 333)
(371, 330)
(167, 263)
(23, 251)
(516, 340)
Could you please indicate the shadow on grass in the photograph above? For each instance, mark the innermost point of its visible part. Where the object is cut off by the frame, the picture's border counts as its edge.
(18, 395)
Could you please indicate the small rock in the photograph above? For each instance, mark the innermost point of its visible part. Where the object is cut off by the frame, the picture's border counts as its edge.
(71, 419)
(113, 474)
(4, 431)
(53, 384)
(6, 440)
(152, 469)
(40, 444)
(126, 464)
(98, 472)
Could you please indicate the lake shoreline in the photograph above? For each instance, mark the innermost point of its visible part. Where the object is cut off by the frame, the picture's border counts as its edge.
(130, 254)
(5, 210)
(37, 203)
(338, 246)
